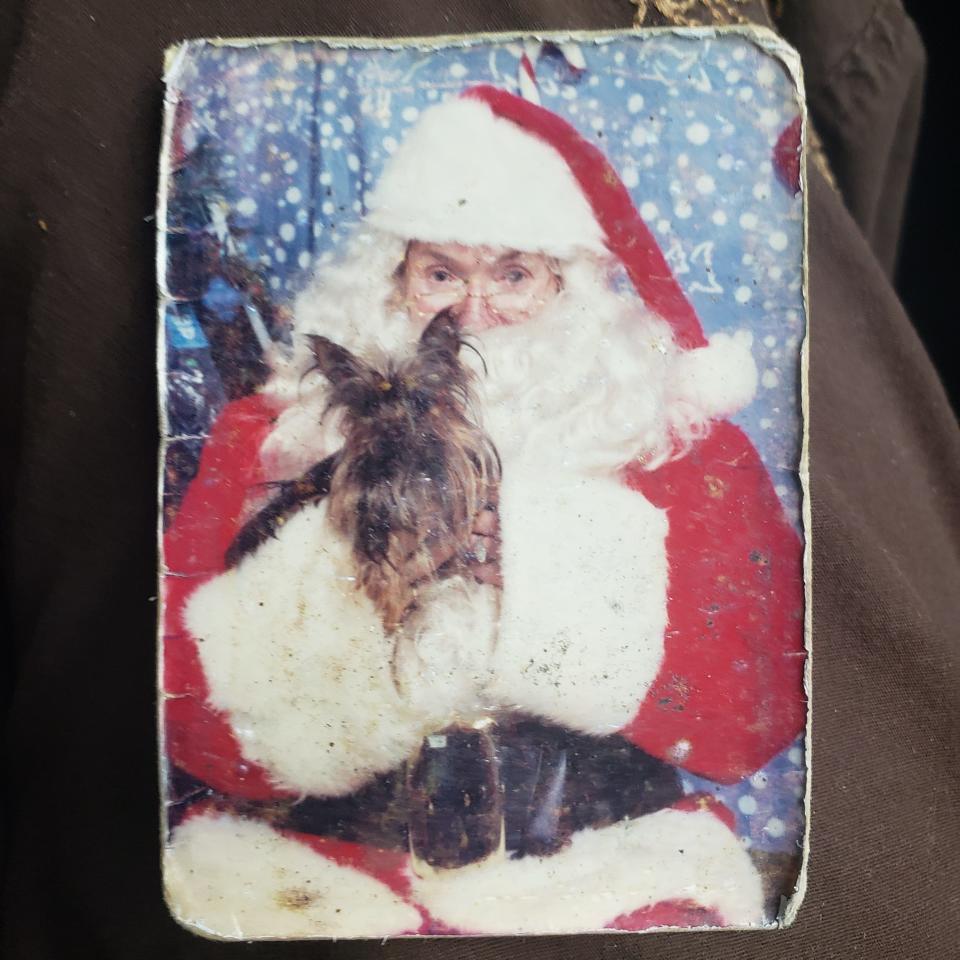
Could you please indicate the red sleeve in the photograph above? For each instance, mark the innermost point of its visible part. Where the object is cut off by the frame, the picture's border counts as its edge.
(198, 738)
(729, 695)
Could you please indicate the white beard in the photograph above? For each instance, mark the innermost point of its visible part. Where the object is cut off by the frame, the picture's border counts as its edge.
(589, 385)
(584, 387)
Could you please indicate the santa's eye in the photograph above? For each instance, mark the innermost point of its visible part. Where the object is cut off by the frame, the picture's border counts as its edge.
(515, 275)
(440, 275)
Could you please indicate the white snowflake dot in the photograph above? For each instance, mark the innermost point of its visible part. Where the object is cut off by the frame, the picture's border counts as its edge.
(648, 210)
(247, 206)
(328, 75)
(698, 133)
(743, 294)
(769, 341)
(705, 183)
(761, 191)
(290, 166)
(347, 124)
(719, 217)
(303, 260)
(293, 195)
(765, 75)
(795, 755)
(759, 780)
(748, 221)
(630, 177)
(635, 103)
(683, 210)
(389, 144)
(745, 94)
(353, 162)
(775, 827)
(410, 114)
(747, 805)
(287, 232)
(458, 70)
(778, 240)
(725, 162)
(770, 379)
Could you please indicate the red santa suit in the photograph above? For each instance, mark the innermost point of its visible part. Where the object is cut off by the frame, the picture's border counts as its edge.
(652, 589)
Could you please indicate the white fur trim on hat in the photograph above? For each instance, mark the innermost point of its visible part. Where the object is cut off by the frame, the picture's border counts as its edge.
(238, 879)
(719, 379)
(603, 874)
(466, 176)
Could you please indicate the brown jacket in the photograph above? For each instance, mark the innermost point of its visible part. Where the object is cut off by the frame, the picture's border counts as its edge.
(79, 138)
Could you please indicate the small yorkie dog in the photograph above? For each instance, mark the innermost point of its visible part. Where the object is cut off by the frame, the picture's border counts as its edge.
(413, 475)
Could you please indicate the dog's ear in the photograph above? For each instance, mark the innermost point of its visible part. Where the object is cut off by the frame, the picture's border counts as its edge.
(336, 363)
(442, 334)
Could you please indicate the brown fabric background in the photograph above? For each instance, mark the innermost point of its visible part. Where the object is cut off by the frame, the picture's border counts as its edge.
(78, 147)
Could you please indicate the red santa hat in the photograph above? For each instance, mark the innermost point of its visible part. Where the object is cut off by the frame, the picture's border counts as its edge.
(491, 168)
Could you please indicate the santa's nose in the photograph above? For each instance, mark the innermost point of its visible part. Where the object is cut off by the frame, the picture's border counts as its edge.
(473, 312)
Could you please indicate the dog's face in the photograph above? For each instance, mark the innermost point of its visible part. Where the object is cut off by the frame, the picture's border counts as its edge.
(415, 467)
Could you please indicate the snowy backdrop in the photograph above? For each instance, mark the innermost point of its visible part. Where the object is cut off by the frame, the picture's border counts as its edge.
(273, 149)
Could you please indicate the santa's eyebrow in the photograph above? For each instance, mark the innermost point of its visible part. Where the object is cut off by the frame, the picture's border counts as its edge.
(511, 255)
(447, 261)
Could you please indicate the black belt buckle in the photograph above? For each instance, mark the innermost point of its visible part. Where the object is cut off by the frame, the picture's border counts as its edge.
(455, 797)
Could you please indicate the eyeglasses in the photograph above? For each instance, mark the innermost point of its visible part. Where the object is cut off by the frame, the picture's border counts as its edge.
(507, 287)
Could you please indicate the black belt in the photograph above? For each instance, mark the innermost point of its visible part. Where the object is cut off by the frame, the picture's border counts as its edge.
(519, 785)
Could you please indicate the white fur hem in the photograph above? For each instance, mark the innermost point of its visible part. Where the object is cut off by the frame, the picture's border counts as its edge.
(237, 879)
(667, 856)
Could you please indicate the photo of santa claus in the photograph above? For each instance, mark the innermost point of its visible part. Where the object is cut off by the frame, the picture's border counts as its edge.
(468, 596)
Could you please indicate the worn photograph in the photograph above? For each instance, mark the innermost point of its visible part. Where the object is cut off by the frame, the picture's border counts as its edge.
(482, 499)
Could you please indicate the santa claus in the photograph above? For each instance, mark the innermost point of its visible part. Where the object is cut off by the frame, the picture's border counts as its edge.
(632, 606)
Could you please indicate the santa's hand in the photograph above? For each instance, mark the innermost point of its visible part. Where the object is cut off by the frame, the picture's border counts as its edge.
(482, 556)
